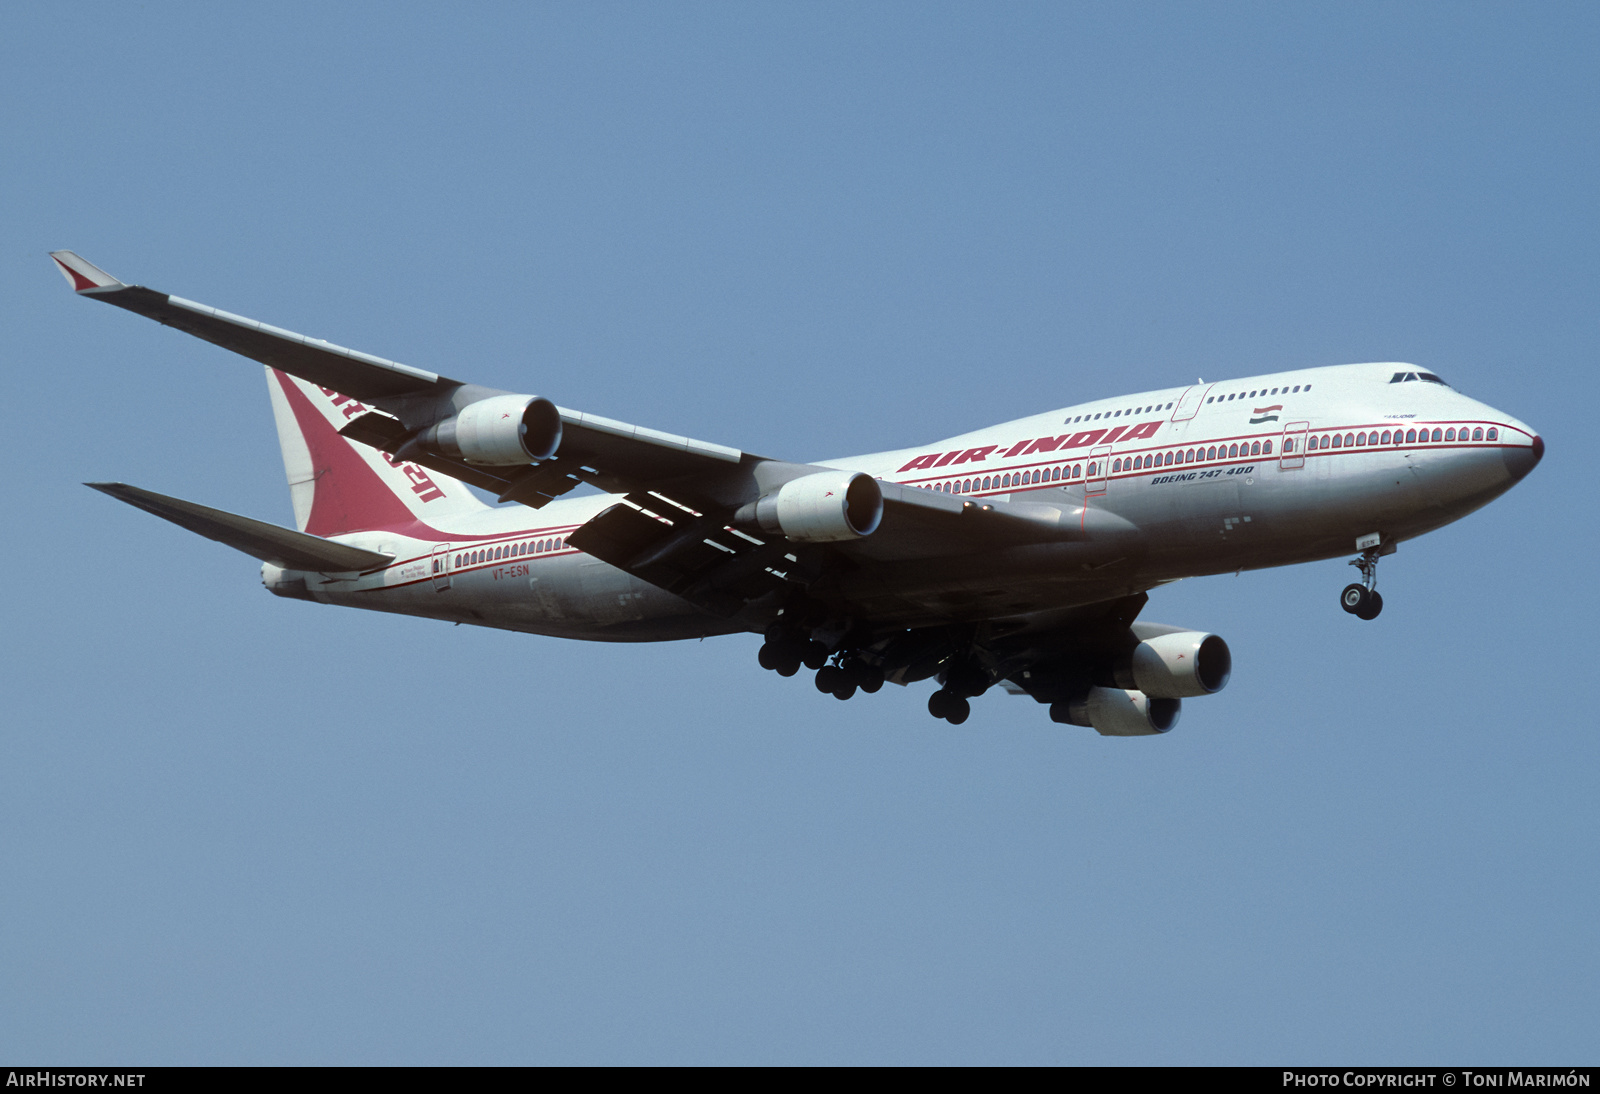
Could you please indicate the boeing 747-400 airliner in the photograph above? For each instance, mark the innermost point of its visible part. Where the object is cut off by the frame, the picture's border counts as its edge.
(1019, 555)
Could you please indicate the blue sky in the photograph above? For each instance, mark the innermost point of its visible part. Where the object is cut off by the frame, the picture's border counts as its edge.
(240, 829)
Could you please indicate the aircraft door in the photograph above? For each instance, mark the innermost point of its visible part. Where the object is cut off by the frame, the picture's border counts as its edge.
(1191, 402)
(1095, 480)
(441, 567)
(1292, 450)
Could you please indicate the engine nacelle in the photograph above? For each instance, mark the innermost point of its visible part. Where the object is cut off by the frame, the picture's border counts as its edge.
(501, 431)
(1176, 664)
(824, 507)
(289, 583)
(1119, 712)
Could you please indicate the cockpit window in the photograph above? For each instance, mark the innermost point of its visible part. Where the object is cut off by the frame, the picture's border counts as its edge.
(1402, 377)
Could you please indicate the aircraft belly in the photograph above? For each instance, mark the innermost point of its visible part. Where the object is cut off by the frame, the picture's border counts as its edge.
(1265, 514)
(606, 594)
(1014, 581)
(570, 596)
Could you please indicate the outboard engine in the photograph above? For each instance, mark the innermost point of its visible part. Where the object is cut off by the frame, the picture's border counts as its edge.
(502, 431)
(1118, 712)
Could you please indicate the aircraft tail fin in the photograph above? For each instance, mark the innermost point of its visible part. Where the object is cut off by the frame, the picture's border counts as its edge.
(338, 485)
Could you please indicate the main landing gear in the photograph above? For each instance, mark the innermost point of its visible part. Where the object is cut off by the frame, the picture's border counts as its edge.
(786, 649)
(842, 680)
(961, 681)
(845, 666)
(949, 706)
(1362, 599)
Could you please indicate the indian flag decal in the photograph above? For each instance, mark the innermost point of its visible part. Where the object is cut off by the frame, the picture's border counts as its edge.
(1265, 414)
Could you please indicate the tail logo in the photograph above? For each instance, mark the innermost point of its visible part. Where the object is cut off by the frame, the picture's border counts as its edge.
(421, 485)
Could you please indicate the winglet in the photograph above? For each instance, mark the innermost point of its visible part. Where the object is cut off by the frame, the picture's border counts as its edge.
(84, 276)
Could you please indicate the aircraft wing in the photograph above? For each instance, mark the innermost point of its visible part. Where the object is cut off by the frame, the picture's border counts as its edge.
(615, 453)
(674, 529)
(346, 371)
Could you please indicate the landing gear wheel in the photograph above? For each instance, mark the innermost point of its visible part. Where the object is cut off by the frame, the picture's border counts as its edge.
(829, 679)
(844, 691)
(869, 678)
(952, 708)
(814, 655)
(778, 657)
(1373, 606)
(1354, 598)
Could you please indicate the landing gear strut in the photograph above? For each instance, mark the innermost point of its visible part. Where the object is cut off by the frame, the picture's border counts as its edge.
(1362, 599)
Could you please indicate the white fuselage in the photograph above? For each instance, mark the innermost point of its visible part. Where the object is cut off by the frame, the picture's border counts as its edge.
(1263, 471)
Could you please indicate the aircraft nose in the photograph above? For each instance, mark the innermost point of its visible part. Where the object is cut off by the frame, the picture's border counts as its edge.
(1519, 461)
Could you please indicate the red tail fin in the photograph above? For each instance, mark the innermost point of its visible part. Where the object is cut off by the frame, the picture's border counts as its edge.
(340, 486)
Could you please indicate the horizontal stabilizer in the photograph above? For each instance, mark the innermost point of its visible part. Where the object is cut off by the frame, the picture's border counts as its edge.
(280, 546)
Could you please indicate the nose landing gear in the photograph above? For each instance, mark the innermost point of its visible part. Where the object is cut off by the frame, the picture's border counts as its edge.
(1362, 599)
(1361, 602)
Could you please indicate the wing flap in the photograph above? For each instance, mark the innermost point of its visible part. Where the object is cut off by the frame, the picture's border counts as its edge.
(693, 555)
(268, 542)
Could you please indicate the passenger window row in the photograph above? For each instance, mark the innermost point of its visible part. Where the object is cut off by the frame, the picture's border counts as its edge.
(1260, 393)
(1151, 409)
(1071, 472)
(1064, 473)
(1399, 436)
(1256, 393)
(509, 550)
(1193, 455)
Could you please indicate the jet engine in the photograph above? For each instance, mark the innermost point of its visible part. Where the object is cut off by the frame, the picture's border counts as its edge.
(502, 431)
(1175, 664)
(823, 507)
(1118, 712)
